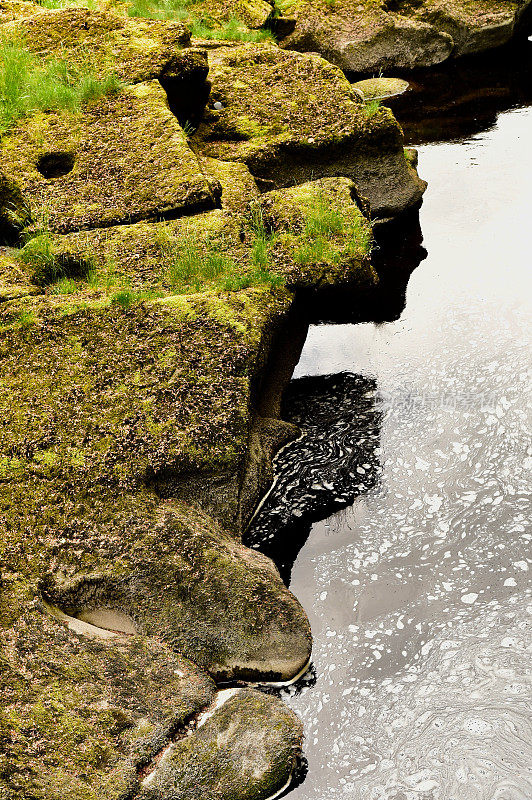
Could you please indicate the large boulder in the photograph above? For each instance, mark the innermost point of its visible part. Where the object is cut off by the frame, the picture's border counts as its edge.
(369, 41)
(246, 750)
(188, 582)
(400, 34)
(476, 27)
(292, 117)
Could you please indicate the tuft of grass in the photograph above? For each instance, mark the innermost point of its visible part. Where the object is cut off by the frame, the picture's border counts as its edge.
(191, 265)
(330, 235)
(233, 30)
(65, 286)
(25, 319)
(124, 298)
(27, 83)
(38, 253)
(202, 28)
(159, 9)
(370, 108)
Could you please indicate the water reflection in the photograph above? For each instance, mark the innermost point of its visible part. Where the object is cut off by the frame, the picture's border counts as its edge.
(466, 96)
(334, 461)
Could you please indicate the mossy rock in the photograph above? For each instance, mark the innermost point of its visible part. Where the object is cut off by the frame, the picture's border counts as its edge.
(326, 209)
(143, 258)
(381, 88)
(253, 13)
(291, 117)
(362, 38)
(246, 750)
(125, 158)
(186, 580)
(79, 717)
(15, 9)
(474, 25)
(134, 50)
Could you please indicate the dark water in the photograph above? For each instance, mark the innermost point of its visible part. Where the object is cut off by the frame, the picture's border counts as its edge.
(418, 592)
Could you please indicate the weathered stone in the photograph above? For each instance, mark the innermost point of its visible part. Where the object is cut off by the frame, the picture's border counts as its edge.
(371, 41)
(80, 716)
(474, 27)
(291, 117)
(401, 34)
(246, 750)
(125, 158)
(15, 9)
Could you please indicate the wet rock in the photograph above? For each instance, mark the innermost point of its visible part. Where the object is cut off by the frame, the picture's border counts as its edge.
(293, 117)
(246, 750)
(124, 159)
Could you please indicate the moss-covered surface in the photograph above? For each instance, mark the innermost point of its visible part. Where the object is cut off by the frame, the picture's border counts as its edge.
(130, 161)
(134, 50)
(135, 328)
(229, 759)
(78, 716)
(381, 88)
(290, 117)
(103, 407)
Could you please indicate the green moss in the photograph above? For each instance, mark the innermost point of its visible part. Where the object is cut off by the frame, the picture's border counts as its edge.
(133, 50)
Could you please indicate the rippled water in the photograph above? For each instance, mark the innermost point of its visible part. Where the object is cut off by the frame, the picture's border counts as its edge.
(418, 593)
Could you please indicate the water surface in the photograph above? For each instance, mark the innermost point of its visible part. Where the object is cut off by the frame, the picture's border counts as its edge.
(418, 592)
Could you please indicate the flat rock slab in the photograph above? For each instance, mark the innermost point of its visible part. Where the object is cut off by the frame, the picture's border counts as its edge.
(246, 750)
(123, 159)
(381, 88)
(134, 50)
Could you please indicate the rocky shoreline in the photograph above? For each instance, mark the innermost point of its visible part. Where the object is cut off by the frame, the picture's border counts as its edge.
(154, 242)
